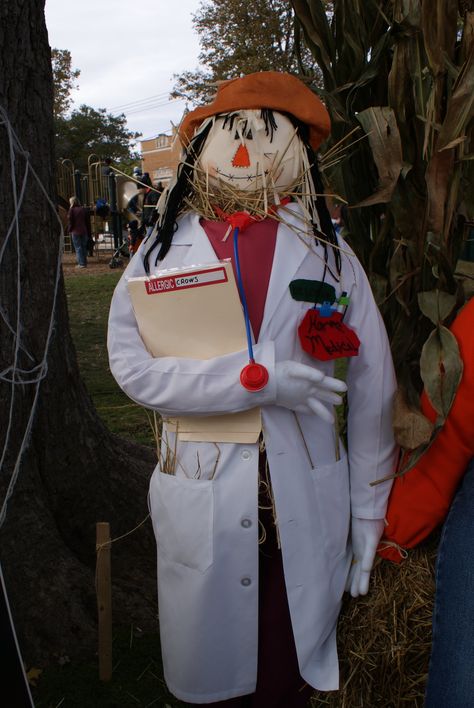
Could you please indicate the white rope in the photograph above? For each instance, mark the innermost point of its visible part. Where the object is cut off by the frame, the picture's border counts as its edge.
(13, 374)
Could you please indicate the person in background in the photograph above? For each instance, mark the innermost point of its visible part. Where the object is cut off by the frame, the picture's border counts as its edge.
(79, 226)
(106, 168)
(135, 236)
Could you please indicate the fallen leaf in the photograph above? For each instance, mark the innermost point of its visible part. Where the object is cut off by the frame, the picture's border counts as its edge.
(33, 675)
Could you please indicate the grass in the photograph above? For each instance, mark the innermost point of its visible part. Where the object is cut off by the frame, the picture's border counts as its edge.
(137, 679)
(88, 300)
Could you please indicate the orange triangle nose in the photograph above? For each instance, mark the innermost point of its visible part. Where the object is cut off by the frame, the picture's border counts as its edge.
(241, 157)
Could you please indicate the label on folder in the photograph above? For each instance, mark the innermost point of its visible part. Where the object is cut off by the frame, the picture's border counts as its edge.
(196, 279)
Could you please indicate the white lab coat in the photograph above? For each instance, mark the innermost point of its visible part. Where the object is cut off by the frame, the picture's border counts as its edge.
(207, 528)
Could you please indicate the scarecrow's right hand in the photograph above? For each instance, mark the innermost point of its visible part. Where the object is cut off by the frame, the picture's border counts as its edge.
(302, 389)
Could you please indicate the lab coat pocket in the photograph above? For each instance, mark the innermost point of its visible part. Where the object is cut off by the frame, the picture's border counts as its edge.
(333, 505)
(182, 511)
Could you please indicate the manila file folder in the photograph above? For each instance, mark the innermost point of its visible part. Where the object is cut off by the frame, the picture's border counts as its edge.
(195, 312)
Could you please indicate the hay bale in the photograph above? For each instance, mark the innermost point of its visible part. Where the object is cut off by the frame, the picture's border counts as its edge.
(384, 638)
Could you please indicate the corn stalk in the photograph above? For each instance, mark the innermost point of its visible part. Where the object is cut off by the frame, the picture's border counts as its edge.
(401, 73)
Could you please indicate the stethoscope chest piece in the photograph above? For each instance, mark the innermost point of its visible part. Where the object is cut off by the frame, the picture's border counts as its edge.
(254, 377)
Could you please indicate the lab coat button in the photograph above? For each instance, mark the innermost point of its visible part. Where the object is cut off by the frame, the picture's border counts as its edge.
(246, 454)
(246, 582)
(246, 523)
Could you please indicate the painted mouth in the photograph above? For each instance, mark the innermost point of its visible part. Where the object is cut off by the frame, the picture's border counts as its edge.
(247, 178)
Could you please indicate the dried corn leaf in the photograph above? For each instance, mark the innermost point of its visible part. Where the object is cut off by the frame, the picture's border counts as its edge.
(371, 70)
(438, 175)
(452, 202)
(441, 369)
(380, 124)
(407, 12)
(467, 34)
(439, 24)
(467, 205)
(436, 304)
(352, 50)
(460, 106)
(318, 37)
(397, 79)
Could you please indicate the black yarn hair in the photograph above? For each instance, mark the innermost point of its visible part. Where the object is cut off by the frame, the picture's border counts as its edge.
(326, 225)
(267, 116)
(183, 188)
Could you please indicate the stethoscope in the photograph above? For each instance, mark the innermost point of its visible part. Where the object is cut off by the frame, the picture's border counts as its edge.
(254, 376)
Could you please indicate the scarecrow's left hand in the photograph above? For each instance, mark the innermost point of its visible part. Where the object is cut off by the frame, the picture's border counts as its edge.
(366, 534)
(305, 389)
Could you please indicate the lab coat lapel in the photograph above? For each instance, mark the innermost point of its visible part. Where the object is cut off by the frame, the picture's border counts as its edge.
(292, 246)
(191, 233)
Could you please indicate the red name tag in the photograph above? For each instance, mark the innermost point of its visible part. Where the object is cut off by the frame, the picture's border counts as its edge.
(327, 337)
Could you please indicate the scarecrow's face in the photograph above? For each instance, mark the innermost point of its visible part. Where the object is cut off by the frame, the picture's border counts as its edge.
(248, 150)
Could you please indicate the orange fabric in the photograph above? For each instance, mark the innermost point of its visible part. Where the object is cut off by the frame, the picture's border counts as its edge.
(241, 157)
(264, 89)
(420, 500)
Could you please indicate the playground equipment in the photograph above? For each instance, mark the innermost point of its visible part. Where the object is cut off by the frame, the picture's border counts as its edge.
(100, 182)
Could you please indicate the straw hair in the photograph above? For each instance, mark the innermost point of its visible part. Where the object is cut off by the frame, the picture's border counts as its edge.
(275, 90)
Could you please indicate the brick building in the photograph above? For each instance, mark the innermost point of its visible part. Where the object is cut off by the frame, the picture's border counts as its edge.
(160, 156)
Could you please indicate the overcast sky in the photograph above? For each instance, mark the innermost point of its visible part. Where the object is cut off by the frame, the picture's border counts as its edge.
(127, 51)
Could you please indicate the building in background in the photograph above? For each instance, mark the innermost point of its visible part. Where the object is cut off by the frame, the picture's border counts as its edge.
(160, 156)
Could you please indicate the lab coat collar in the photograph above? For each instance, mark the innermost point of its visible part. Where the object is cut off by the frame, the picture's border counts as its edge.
(190, 233)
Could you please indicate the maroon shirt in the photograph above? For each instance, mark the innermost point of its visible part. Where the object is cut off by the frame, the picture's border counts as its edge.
(256, 251)
(78, 221)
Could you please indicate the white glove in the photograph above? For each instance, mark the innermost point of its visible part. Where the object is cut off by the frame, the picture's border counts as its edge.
(366, 534)
(301, 388)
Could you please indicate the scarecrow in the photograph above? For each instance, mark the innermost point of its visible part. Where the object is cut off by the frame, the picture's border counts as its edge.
(257, 542)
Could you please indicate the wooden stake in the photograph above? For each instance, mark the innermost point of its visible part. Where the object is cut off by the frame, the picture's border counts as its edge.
(104, 600)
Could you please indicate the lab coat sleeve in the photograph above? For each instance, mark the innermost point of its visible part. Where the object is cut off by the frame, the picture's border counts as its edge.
(371, 387)
(178, 386)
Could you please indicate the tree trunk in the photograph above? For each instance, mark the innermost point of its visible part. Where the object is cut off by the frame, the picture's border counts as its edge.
(73, 471)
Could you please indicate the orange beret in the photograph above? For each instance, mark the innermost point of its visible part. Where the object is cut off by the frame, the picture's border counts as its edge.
(265, 89)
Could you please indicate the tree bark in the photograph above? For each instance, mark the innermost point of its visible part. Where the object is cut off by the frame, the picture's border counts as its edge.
(73, 472)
